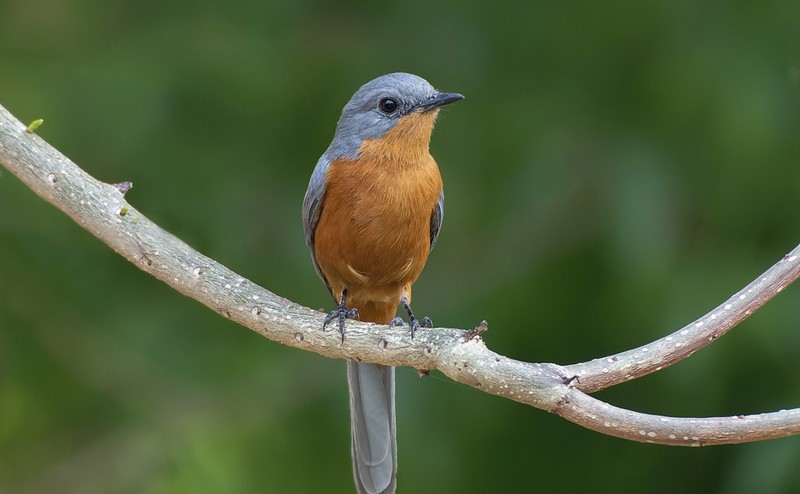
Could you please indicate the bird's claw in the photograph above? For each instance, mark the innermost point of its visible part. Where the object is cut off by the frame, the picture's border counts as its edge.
(397, 322)
(415, 325)
(342, 313)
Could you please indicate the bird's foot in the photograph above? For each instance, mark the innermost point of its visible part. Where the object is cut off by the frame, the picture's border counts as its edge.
(413, 321)
(398, 322)
(342, 313)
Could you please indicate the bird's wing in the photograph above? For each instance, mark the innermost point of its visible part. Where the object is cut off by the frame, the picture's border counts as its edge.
(312, 208)
(436, 219)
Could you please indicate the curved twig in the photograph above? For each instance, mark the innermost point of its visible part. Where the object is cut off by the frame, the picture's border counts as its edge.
(594, 414)
(604, 372)
(102, 210)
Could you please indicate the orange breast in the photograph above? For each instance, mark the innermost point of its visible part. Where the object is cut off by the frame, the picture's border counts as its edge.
(373, 235)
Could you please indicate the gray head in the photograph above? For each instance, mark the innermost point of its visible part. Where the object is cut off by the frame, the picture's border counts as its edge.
(379, 104)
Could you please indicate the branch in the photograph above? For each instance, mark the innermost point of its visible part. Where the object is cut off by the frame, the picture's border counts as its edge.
(604, 372)
(102, 209)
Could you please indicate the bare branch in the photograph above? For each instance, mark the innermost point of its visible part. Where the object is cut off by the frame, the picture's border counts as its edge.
(594, 414)
(102, 209)
(603, 372)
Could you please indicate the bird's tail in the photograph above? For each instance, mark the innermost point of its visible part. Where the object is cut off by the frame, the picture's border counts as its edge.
(372, 423)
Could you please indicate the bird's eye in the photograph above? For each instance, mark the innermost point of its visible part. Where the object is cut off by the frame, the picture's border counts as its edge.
(387, 105)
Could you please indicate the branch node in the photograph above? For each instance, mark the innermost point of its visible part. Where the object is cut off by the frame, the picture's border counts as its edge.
(477, 331)
(124, 187)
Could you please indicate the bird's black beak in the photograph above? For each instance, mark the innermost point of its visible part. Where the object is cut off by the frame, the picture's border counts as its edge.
(439, 99)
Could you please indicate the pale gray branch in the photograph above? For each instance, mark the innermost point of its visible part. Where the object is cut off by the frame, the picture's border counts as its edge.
(102, 210)
(607, 371)
(599, 416)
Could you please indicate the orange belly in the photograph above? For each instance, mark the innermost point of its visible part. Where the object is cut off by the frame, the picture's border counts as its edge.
(373, 235)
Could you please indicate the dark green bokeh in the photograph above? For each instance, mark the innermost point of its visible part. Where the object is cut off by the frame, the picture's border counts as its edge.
(613, 173)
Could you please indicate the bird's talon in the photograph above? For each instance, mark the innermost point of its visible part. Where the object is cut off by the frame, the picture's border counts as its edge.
(414, 327)
(342, 313)
(426, 321)
(328, 318)
(397, 322)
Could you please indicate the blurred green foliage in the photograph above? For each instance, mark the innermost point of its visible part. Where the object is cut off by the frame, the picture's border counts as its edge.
(615, 171)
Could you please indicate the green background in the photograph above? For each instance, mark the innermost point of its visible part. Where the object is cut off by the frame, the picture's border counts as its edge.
(616, 170)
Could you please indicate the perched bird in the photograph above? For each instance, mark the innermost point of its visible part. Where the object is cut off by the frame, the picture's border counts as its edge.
(372, 214)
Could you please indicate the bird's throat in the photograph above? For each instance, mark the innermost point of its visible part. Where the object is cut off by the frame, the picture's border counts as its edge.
(407, 142)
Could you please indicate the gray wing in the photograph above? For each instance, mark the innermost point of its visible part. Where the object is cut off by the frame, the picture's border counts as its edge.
(312, 207)
(436, 219)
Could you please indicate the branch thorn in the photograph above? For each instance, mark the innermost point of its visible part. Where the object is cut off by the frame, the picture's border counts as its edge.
(124, 187)
(477, 331)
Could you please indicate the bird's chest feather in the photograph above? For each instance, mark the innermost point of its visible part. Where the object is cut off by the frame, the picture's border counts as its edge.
(374, 228)
(380, 210)
(375, 221)
(389, 199)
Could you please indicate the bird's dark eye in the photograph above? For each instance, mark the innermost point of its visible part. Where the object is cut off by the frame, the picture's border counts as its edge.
(387, 105)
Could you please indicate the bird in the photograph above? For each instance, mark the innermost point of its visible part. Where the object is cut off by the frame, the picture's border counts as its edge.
(372, 213)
